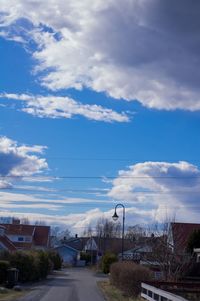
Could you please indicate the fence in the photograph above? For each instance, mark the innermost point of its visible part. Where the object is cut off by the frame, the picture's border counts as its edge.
(152, 293)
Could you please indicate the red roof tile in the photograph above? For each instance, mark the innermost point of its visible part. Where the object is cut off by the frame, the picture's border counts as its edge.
(15, 229)
(181, 233)
(7, 243)
(40, 234)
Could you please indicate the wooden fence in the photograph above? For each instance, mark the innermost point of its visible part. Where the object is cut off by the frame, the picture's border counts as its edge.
(152, 293)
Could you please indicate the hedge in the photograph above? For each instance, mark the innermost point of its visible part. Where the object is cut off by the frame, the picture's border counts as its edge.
(106, 262)
(128, 276)
(32, 264)
(4, 265)
(55, 259)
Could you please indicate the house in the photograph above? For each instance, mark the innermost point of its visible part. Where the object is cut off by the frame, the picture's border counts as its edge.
(69, 255)
(27, 236)
(137, 253)
(70, 249)
(5, 243)
(144, 254)
(179, 234)
(95, 246)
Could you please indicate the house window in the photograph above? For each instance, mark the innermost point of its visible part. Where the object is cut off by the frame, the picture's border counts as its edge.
(20, 238)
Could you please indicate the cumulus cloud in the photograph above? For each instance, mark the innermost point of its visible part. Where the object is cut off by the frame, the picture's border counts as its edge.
(19, 161)
(141, 49)
(78, 222)
(65, 107)
(166, 188)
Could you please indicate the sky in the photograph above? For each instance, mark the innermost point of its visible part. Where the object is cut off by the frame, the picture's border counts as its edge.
(99, 105)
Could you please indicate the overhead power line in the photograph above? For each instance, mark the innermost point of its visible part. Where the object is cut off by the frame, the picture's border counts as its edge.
(101, 177)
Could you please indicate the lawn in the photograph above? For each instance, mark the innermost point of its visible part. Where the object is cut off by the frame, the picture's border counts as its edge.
(111, 293)
(11, 295)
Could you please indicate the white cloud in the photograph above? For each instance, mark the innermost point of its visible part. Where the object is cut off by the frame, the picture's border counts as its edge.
(165, 188)
(139, 49)
(78, 222)
(19, 161)
(65, 107)
(22, 197)
(150, 191)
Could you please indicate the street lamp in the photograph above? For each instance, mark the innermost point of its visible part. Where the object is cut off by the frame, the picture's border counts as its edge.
(115, 218)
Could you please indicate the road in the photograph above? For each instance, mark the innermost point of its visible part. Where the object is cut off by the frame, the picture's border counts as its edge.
(75, 284)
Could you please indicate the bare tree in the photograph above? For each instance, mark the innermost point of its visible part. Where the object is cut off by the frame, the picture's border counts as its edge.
(25, 221)
(106, 228)
(135, 232)
(88, 231)
(172, 260)
(40, 223)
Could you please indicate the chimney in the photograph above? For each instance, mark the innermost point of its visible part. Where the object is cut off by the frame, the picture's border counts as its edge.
(76, 235)
(16, 221)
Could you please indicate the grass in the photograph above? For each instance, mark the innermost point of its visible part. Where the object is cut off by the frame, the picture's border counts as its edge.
(111, 293)
(11, 295)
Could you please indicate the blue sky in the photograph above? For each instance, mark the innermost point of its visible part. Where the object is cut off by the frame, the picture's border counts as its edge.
(99, 104)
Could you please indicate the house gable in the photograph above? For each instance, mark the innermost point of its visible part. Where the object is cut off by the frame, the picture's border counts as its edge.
(180, 233)
(27, 236)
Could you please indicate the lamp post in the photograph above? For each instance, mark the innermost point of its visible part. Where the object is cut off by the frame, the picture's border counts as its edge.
(115, 217)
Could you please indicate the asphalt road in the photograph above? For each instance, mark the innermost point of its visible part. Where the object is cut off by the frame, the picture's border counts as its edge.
(75, 284)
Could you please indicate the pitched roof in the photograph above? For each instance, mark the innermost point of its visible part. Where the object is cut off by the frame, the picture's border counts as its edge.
(39, 233)
(5, 241)
(104, 244)
(15, 229)
(181, 233)
(76, 243)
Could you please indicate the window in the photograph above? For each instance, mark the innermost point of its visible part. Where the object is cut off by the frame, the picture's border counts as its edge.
(20, 238)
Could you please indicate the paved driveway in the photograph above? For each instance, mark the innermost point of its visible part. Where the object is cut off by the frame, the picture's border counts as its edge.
(76, 284)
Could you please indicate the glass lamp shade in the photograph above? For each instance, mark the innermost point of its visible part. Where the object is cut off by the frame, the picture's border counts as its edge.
(115, 216)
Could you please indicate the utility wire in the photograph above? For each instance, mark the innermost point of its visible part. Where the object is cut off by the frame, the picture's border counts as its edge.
(101, 177)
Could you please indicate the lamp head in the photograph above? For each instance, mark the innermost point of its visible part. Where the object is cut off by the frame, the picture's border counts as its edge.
(115, 216)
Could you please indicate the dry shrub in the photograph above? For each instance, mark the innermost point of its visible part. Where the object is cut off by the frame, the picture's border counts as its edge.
(128, 276)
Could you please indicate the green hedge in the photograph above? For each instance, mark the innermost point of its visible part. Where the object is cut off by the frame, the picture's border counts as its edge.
(55, 259)
(32, 265)
(85, 256)
(106, 262)
(4, 265)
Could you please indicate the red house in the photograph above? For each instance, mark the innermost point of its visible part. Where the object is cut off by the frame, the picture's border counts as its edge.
(25, 237)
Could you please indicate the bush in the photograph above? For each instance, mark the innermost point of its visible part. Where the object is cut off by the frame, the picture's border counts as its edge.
(193, 241)
(4, 255)
(85, 256)
(55, 259)
(27, 264)
(32, 265)
(128, 276)
(44, 264)
(194, 270)
(107, 260)
(4, 265)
